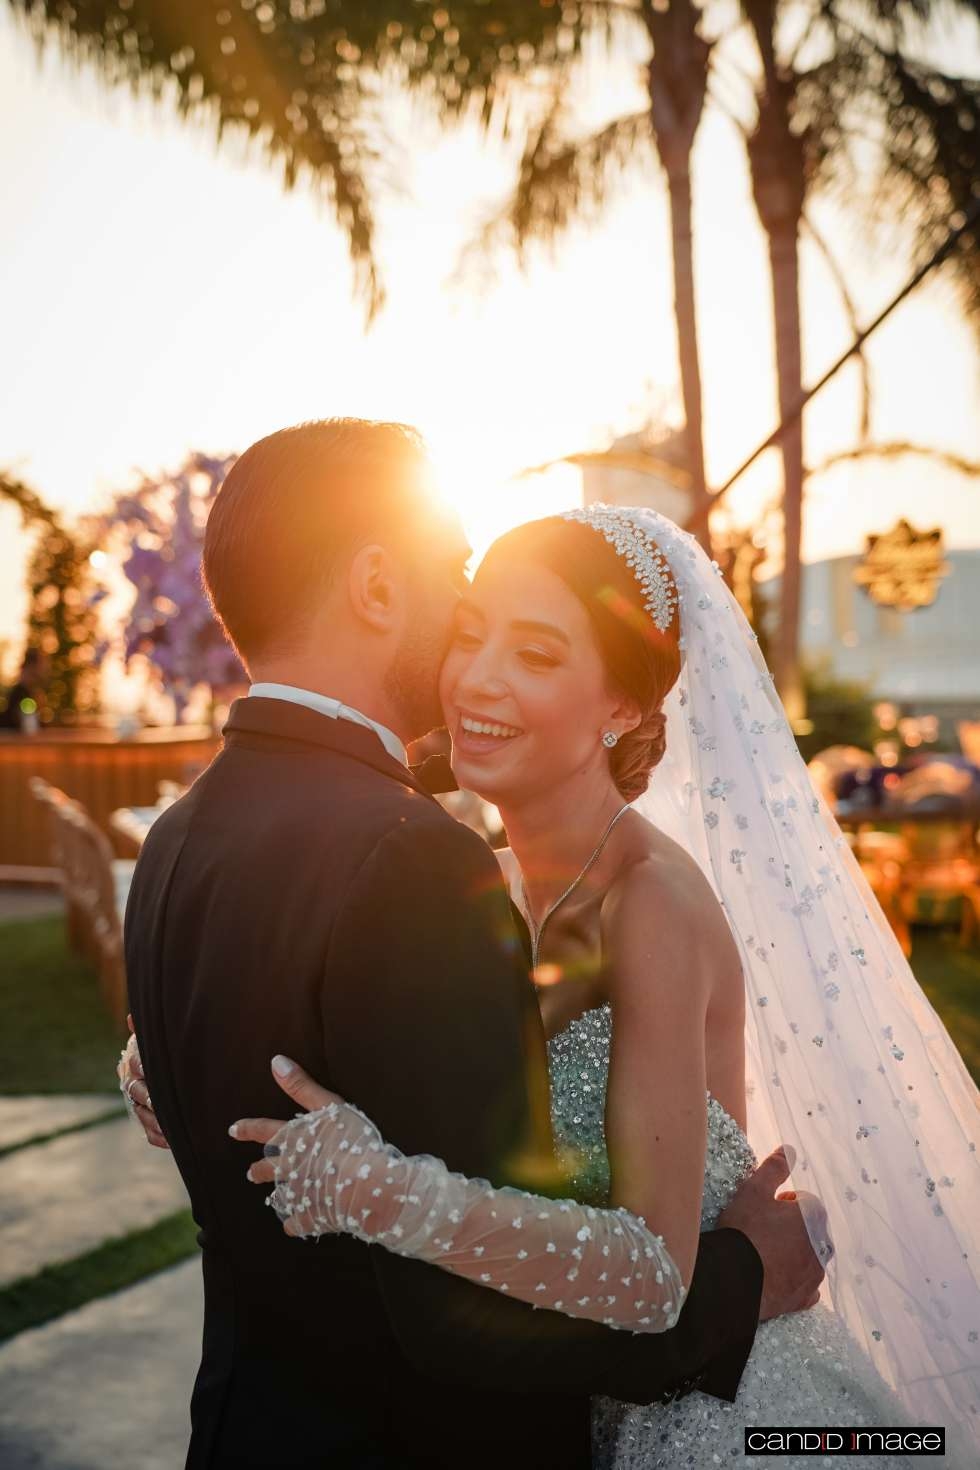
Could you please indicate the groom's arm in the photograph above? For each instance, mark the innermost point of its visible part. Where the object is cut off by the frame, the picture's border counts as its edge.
(430, 1027)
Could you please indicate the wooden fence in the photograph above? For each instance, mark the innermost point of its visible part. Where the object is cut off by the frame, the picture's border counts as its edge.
(98, 769)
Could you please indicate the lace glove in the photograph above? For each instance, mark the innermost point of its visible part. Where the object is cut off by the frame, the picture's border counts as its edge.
(335, 1174)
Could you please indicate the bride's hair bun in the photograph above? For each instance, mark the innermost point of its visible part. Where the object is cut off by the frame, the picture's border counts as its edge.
(639, 751)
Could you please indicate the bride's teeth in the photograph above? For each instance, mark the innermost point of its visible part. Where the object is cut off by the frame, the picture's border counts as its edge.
(484, 727)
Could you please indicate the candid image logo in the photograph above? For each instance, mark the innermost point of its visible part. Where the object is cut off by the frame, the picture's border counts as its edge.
(760, 1440)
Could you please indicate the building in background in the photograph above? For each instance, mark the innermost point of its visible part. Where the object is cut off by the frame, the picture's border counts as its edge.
(645, 468)
(925, 661)
(921, 666)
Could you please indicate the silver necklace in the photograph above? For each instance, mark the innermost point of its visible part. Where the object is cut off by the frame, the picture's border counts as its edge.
(536, 930)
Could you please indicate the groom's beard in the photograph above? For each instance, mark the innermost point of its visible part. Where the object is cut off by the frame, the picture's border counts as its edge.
(412, 681)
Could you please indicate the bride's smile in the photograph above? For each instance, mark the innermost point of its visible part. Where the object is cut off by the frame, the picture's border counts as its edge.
(524, 688)
(481, 735)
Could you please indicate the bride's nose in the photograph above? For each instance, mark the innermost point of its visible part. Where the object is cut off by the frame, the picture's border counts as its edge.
(482, 679)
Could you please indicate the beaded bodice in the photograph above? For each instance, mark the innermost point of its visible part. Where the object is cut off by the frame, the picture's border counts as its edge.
(578, 1063)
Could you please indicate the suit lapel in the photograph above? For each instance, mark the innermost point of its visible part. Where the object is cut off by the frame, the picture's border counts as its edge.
(523, 932)
(280, 721)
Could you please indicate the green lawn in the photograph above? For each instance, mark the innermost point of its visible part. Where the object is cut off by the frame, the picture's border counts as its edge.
(950, 977)
(55, 1032)
(110, 1267)
(55, 1036)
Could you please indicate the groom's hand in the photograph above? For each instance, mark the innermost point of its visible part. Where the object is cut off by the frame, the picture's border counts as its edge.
(775, 1225)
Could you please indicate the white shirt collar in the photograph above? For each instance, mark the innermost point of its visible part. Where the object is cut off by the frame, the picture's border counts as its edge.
(334, 710)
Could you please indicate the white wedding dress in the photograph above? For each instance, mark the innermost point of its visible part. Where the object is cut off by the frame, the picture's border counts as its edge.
(335, 1172)
(804, 1369)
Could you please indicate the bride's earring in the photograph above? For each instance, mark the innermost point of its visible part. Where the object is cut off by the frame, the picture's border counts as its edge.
(610, 739)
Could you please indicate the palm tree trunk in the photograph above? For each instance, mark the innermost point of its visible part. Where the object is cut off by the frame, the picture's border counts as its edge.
(677, 79)
(778, 167)
(785, 272)
(688, 350)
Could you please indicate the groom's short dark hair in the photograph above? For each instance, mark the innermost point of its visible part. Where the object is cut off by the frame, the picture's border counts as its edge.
(289, 509)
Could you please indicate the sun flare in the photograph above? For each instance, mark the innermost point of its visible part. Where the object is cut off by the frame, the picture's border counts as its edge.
(489, 493)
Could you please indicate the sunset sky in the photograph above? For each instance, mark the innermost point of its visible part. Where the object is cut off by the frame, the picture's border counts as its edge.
(158, 296)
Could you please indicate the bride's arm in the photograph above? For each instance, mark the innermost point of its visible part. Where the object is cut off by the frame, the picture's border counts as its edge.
(670, 956)
(334, 1173)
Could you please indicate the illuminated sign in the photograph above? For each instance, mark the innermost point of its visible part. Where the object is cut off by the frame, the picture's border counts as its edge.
(903, 567)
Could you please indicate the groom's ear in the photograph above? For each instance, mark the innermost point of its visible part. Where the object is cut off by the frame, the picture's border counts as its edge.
(372, 586)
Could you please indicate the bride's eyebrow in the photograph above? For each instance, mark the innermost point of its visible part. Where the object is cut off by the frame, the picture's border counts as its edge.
(464, 605)
(524, 625)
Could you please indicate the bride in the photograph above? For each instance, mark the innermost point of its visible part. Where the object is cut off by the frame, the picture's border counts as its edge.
(712, 968)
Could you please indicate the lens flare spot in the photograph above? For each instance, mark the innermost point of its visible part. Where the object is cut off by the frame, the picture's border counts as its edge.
(546, 975)
(634, 617)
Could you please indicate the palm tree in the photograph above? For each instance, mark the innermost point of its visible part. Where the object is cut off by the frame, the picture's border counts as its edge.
(845, 85)
(563, 175)
(837, 90)
(777, 163)
(305, 85)
(303, 79)
(678, 85)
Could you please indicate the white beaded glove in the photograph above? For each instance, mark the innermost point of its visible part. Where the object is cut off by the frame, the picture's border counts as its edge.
(335, 1174)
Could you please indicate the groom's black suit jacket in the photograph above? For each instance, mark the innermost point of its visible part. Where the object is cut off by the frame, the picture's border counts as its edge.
(307, 896)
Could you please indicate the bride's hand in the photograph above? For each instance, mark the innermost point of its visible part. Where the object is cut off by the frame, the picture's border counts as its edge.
(307, 1094)
(335, 1174)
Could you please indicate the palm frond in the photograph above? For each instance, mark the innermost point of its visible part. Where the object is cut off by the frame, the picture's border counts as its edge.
(566, 179)
(920, 129)
(933, 163)
(850, 308)
(901, 449)
(560, 181)
(301, 77)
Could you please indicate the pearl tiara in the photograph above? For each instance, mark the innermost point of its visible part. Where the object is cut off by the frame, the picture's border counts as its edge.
(640, 552)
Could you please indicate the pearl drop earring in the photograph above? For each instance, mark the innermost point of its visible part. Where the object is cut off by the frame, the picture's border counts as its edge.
(610, 739)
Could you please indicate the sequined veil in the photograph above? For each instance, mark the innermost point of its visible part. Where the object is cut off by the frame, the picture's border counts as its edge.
(847, 1060)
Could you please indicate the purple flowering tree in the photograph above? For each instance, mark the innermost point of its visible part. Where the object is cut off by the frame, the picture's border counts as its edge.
(160, 526)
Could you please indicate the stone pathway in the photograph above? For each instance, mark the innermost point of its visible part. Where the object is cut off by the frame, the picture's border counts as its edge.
(65, 1197)
(24, 1118)
(106, 1387)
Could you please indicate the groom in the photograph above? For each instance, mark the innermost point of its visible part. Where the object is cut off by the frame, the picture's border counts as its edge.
(308, 896)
